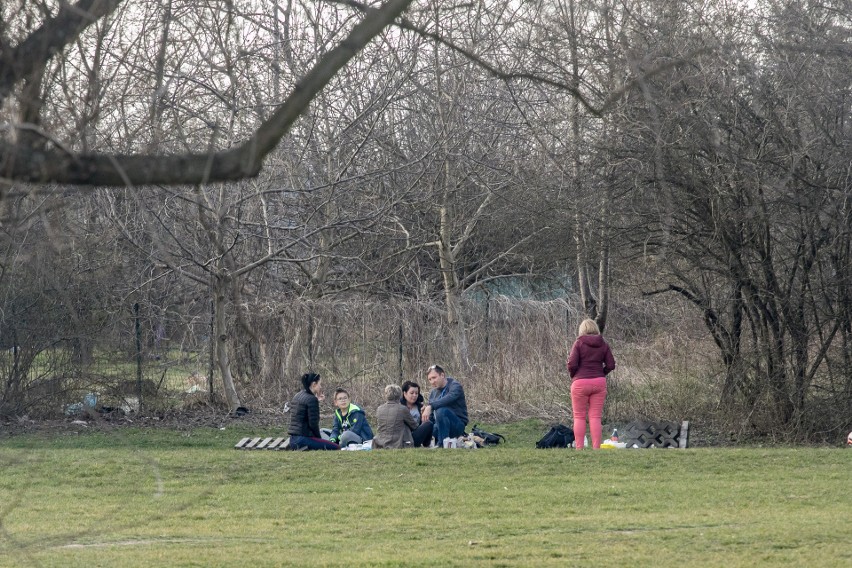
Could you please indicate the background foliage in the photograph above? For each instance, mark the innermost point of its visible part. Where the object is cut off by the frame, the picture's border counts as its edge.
(473, 183)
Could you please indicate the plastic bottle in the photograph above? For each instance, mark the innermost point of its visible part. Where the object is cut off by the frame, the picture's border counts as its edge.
(614, 436)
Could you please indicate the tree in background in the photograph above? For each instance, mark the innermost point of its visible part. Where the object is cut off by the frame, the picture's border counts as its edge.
(34, 152)
(746, 196)
(256, 163)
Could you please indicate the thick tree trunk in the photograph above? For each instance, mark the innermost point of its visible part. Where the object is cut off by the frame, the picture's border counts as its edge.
(452, 295)
(223, 358)
(458, 329)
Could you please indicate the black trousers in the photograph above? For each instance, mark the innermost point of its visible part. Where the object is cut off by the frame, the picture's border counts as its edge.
(423, 434)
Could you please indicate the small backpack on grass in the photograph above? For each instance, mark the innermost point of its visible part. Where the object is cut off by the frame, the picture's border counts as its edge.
(559, 436)
(488, 439)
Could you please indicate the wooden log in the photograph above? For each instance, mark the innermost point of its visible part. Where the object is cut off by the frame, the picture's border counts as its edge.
(263, 444)
(273, 445)
(253, 443)
(241, 444)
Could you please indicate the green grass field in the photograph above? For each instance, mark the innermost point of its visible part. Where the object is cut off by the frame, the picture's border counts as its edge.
(169, 498)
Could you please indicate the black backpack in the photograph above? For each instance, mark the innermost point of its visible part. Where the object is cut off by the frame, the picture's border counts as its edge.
(488, 439)
(559, 436)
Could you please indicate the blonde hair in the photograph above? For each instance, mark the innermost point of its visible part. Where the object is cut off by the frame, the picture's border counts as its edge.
(588, 327)
(393, 392)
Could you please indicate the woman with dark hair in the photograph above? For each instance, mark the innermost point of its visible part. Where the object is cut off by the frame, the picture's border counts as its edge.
(305, 415)
(413, 401)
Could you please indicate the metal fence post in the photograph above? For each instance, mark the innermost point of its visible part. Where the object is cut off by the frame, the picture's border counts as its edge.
(399, 353)
(212, 350)
(310, 339)
(138, 354)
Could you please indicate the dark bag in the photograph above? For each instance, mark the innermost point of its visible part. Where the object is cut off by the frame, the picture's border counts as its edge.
(559, 436)
(488, 439)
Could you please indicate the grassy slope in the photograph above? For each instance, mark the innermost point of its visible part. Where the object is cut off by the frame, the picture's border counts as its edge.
(136, 498)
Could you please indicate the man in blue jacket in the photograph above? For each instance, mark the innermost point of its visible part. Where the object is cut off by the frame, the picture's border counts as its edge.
(350, 422)
(447, 406)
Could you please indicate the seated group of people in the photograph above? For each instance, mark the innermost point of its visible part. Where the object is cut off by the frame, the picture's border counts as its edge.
(402, 422)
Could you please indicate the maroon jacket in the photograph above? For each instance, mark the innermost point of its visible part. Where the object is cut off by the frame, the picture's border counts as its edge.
(590, 358)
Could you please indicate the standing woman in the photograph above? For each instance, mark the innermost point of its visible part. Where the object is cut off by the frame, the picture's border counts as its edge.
(588, 365)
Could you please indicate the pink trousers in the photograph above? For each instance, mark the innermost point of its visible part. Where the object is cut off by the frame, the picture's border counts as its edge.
(587, 398)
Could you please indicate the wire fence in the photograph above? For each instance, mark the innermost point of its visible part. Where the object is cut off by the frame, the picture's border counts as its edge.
(516, 351)
(164, 361)
(134, 357)
(145, 358)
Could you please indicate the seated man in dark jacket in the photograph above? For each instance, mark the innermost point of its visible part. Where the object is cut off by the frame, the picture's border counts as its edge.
(304, 417)
(350, 422)
(447, 407)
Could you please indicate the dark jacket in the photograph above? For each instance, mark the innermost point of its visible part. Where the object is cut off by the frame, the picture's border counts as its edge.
(450, 397)
(304, 415)
(590, 358)
(418, 403)
(355, 420)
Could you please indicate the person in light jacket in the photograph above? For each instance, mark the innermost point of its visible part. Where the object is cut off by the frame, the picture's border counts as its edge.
(589, 362)
(394, 422)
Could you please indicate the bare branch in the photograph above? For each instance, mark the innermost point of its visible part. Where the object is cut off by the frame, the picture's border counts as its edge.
(49, 39)
(244, 161)
(611, 99)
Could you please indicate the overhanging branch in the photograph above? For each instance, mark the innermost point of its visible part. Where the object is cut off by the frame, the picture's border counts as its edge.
(21, 163)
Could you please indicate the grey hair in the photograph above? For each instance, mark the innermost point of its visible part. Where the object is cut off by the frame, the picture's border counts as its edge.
(393, 392)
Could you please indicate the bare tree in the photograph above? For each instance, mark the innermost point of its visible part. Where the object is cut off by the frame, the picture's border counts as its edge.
(48, 159)
(749, 200)
(299, 229)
